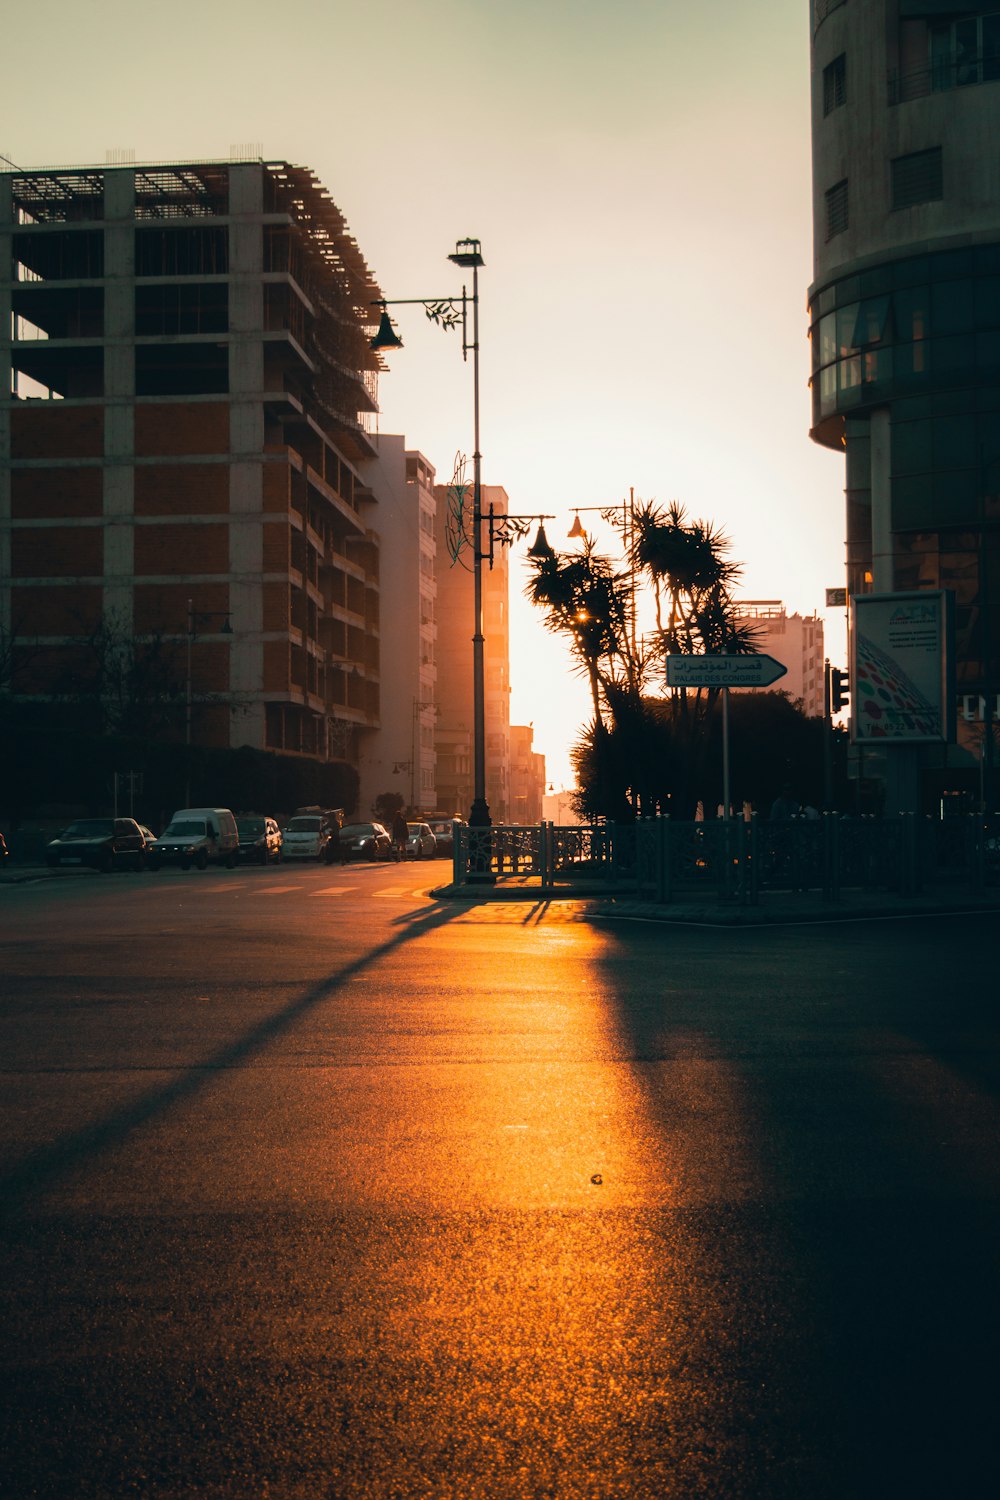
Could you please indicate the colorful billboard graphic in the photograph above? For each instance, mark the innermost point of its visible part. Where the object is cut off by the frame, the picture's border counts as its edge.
(901, 668)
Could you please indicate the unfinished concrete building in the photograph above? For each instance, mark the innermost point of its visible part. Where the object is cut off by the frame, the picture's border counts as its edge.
(186, 392)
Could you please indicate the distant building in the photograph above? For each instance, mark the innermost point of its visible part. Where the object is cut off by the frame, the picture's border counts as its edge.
(401, 757)
(557, 808)
(455, 628)
(796, 641)
(186, 392)
(527, 776)
(904, 315)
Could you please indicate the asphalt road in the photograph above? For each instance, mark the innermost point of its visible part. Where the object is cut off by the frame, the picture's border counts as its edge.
(314, 1186)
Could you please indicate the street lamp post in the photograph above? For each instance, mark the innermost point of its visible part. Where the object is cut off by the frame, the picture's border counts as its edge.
(453, 312)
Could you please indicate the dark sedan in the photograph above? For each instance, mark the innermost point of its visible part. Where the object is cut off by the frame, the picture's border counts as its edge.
(364, 841)
(260, 840)
(100, 843)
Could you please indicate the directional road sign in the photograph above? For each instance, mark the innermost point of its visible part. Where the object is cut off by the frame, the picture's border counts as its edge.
(723, 671)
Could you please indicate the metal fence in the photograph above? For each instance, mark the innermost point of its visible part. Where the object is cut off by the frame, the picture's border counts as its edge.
(663, 860)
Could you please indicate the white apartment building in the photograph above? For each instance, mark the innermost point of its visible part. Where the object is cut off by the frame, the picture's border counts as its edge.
(796, 641)
(401, 757)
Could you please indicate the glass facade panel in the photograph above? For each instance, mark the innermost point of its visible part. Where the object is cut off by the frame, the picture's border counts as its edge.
(952, 356)
(847, 318)
(956, 500)
(987, 302)
(938, 334)
(911, 447)
(828, 390)
(850, 380)
(952, 306)
(827, 339)
(872, 323)
(988, 353)
(912, 502)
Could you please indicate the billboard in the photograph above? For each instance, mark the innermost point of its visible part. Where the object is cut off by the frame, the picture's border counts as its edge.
(901, 668)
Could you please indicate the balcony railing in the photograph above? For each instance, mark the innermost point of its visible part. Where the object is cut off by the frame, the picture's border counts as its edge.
(939, 77)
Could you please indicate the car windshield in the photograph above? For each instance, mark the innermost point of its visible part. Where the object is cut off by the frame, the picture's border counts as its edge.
(304, 825)
(353, 830)
(415, 827)
(90, 828)
(187, 828)
(249, 826)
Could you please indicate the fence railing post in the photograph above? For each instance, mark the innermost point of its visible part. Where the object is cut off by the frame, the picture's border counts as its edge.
(753, 859)
(663, 860)
(979, 834)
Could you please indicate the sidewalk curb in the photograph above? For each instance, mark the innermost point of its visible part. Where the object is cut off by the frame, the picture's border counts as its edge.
(772, 913)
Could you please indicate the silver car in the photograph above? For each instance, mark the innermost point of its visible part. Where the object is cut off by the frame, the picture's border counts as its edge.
(420, 842)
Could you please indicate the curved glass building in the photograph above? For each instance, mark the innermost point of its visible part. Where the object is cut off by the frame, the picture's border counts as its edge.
(904, 315)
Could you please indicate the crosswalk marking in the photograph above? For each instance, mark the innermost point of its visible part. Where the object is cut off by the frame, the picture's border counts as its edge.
(333, 890)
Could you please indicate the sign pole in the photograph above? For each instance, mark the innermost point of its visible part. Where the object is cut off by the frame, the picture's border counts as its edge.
(725, 753)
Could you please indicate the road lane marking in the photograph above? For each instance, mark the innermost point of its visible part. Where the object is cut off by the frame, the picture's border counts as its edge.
(333, 890)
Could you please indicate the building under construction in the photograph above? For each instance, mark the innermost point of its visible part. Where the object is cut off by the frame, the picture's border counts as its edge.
(187, 394)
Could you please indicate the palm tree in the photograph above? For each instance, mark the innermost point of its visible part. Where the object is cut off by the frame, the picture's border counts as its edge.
(583, 598)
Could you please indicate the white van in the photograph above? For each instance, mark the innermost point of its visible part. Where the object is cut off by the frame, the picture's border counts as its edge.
(197, 836)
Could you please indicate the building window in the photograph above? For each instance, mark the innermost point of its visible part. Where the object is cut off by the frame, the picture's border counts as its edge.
(836, 210)
(835, 84)
(917, 178)
(965, 51)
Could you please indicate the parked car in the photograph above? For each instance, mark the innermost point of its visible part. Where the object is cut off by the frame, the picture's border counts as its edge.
(260, 840)
(420, 843)
(443, 830)
(306, 836)
(364, 841)
(101, 843)
(197, 836)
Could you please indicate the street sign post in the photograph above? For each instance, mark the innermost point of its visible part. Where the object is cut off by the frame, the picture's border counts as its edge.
(723, 671)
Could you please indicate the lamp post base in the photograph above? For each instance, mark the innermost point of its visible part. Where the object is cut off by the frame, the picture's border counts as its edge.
(480, 867)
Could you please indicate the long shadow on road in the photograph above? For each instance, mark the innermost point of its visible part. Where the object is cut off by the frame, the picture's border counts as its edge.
(822, 1101)
(52, 1163)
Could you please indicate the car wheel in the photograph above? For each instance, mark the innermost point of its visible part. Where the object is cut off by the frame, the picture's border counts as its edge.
(201, 860)
(140, 864)
(185, 864)
(105, 862)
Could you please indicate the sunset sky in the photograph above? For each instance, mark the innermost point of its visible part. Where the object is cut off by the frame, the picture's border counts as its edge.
(638, 174)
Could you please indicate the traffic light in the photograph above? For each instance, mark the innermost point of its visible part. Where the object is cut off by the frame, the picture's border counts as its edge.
(840, 690)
